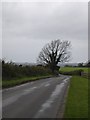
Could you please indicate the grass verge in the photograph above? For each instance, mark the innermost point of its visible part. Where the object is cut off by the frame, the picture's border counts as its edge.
(11, 83)
(77, 100)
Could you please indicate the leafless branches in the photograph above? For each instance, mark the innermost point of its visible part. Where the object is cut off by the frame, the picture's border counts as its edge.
(55, 52)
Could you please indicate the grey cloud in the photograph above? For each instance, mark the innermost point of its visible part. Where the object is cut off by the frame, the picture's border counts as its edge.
(33, 23)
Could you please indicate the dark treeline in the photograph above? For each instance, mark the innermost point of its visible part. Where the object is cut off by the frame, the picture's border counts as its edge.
(11, 70)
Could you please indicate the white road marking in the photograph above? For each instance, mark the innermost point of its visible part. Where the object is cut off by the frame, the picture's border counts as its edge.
(30, 89)
(47, 85)
(25, 84)
(14, 88)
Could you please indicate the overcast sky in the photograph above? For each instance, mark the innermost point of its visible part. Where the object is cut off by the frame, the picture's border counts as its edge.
(28, 26)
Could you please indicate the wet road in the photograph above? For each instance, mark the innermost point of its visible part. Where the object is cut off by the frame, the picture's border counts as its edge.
(38, 99)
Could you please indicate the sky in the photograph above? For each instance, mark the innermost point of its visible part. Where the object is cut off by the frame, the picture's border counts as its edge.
(28, 26)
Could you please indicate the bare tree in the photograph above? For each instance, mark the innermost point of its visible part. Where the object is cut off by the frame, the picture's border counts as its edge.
(55, 52)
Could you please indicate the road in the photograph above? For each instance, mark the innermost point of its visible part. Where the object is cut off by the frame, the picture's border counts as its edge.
(38, 99)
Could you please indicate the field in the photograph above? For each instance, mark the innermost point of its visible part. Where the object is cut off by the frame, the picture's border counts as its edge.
(77, 100)
(69, 69)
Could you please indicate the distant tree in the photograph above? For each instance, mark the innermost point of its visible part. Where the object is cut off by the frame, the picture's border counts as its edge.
(80, 64)
(88, 63)
(68, 65)
(55, 52)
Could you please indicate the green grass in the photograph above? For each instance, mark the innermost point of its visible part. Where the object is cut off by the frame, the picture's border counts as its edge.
(11, 83)
(77, 100)
(0, 83)
(69, 69)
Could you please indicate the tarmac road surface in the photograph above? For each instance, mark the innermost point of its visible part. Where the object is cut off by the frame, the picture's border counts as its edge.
(38, 99)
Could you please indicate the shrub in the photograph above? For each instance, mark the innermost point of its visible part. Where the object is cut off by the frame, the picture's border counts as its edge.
(75, 72)
(13, 71)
